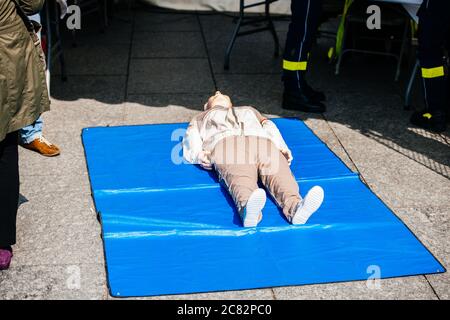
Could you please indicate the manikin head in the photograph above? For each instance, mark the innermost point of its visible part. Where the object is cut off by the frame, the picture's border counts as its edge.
(218, 99)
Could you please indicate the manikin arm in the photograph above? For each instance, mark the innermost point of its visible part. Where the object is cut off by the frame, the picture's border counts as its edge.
(277, 138)
(193, 147)
(192, 143)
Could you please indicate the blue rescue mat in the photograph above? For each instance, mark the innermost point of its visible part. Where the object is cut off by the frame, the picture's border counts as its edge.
(170, 228)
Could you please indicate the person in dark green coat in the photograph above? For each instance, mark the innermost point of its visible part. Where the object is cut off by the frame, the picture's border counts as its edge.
(23, 97)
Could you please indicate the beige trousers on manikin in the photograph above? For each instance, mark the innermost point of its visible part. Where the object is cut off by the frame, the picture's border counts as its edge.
(241, 160)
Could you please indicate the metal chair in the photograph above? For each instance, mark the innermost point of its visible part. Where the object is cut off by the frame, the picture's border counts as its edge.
(395, 19)
(244, 20)
(330, 9)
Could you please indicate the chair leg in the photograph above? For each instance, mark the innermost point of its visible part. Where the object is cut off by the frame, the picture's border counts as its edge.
(402, 51)
(407, 105)
(341, 54)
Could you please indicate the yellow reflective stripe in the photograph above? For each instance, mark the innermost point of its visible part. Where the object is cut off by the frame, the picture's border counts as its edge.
(330, 53)
(294, 66)
(433, 72)
(427, 115)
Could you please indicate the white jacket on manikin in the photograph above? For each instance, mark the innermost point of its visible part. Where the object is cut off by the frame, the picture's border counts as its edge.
(210, 126)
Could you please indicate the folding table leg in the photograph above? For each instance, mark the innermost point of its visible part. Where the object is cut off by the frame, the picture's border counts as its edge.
(226, 64)
(236, 33)
(272, 30)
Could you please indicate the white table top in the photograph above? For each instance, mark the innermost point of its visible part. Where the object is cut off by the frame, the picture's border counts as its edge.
(411, 6)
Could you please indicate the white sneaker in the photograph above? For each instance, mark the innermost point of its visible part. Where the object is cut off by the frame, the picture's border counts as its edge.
(308, 205)
(252, 212)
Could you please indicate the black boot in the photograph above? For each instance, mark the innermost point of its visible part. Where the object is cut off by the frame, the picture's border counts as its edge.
(301, 101)
(429, 121)
(314, 95)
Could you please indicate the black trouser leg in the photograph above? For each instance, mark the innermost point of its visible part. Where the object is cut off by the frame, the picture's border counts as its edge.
(300, 38)
(9, 189)
(447, 46)
(434, 29)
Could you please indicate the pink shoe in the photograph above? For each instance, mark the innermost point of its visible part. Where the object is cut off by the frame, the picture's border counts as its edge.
(5, 258)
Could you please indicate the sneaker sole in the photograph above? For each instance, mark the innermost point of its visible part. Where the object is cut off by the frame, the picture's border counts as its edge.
(255, 204)
(311, 203)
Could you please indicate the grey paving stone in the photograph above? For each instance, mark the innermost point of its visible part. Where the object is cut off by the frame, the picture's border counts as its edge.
(107, 89)
(440, 284)
(66, 119)
(193, 101)
(392, 289)
(59, 208)
(169, 76)
(218, 26)
(80, 281)
(165, 21)
(163, 108)
(168, 45)
(36, 181)
(405, 186)
(97, 59)
(384, 121)
(118, 32)
(246, 57)
(68, 163)
(435, 237)
(52, 242)
(439, 216)
(265, 96)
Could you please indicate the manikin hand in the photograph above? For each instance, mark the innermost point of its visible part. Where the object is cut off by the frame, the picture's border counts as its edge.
(204, 160)
(287, 154)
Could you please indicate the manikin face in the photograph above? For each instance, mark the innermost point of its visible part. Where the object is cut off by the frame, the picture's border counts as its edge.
(218, 99)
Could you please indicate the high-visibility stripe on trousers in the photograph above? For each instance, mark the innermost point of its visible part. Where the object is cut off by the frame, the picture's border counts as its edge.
(433, 72)
(433, 36)
(294, 65)
(300, 38)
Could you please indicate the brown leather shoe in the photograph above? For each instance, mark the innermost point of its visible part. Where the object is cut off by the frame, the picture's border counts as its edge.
(43, 147)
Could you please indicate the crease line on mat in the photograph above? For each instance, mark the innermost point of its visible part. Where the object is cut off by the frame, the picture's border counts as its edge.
(106, 192)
